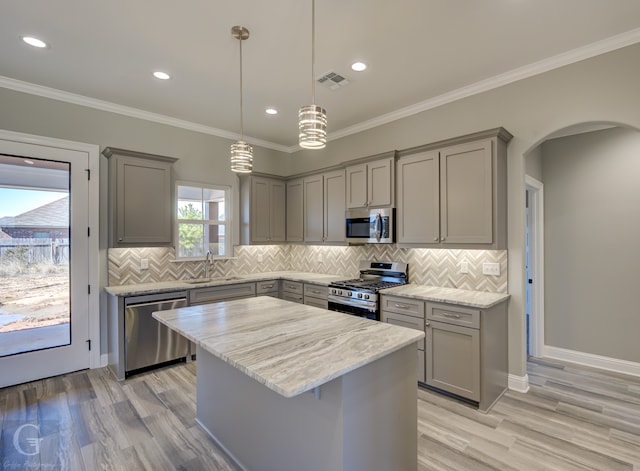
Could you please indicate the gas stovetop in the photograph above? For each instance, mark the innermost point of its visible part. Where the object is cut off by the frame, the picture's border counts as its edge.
(365, 284)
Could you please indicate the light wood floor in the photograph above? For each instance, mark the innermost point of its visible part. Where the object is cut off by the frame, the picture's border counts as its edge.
(572, 419)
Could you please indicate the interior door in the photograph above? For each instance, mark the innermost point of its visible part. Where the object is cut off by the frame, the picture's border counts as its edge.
(44, 263)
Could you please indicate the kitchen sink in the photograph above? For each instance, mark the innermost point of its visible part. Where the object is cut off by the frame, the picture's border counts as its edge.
(197, 281)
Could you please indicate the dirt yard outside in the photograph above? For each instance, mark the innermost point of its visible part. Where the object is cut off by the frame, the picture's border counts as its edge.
(37, 297)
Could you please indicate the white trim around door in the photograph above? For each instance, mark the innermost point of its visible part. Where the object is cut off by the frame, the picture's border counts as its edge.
(535, 224)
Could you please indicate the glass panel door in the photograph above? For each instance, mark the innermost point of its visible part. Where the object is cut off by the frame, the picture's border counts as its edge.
(43, 265)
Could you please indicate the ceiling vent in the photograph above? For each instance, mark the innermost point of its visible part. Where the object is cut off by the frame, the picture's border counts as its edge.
(333, 81)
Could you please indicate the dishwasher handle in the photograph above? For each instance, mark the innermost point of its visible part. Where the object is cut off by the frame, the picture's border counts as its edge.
(156, 303)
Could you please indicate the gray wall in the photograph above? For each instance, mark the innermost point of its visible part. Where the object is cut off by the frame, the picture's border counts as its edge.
(533, 163)
(601, 89)
(592, 224)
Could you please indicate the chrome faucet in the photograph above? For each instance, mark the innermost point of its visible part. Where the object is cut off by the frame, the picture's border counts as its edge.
(207, 262)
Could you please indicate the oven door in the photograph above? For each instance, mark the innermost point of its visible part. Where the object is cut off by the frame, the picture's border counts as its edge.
(360, 308)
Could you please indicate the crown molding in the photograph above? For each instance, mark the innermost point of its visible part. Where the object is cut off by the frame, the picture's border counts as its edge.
(575, 55)
(73, 98)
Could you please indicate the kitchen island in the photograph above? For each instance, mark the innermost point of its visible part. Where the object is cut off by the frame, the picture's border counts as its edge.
(284, 386)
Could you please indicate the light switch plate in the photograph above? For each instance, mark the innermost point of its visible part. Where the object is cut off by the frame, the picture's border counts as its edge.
(464, 267)
(491, 269)
(144, 264)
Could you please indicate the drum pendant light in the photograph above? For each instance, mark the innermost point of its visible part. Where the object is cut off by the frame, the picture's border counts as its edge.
(312, 119)
(241, 151)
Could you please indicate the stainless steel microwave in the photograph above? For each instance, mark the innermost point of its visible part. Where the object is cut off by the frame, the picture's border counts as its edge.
(370, 226)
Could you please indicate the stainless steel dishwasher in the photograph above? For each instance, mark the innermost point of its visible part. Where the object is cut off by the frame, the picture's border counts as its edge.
(147, 342)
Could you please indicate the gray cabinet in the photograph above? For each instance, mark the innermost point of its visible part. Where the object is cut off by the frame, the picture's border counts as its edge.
(141, 199)
(213, 294)
(264, 210)
(316, 295)
(268, 288)
(371, 183)
(466, 351)
(295, 210)
(293, 291)
(454, 195)
(407, 313)
(324, 208)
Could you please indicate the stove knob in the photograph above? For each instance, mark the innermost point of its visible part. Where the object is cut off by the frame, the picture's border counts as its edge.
(349, 293)
(366, 296)
(359, 295)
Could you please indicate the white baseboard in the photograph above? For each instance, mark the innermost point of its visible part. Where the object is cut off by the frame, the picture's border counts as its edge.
(594, 361)
(104, 359)
(519, 383)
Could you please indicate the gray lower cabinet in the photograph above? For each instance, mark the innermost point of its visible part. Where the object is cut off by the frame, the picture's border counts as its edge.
(466, 351)
(268, 288)
(407, 313)
(316, 295)
(214, 294)
(293, 291)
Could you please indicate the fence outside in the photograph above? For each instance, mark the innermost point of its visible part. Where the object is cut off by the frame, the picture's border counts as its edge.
(35, 250)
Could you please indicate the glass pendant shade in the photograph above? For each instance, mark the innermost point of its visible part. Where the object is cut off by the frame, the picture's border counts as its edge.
(241, 157)
(312, 127)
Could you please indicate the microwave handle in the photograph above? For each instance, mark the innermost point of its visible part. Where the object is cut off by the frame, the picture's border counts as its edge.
(378, 230)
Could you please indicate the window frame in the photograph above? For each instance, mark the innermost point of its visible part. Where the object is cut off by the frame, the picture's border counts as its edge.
(227, 223)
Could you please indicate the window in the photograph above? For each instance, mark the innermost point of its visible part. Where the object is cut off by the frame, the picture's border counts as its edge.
(203, 220)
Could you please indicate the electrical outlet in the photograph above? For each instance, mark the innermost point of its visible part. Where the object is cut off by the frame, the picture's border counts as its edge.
(144, 264)
(260, 258)
(464, 267)
(491, 269)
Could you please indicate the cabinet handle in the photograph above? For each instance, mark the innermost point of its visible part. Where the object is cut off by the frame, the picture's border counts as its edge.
(401, 306)
(427, 324)
(442, 239)
(267, 286)
(436, 239)
(315, 291)
(451, 316)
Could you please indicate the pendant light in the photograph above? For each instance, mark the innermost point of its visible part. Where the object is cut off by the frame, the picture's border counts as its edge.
(241, 151)
(312, 119)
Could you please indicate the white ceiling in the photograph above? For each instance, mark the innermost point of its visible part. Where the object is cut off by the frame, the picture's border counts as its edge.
(421, 53)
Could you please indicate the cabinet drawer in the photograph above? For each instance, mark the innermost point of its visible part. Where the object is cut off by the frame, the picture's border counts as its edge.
(317, 302)
(316, 291)
(292, 286)
(403, 320)
(271, 286)
(220, 293)
(400, 305)
(453, 315)
(294, 297)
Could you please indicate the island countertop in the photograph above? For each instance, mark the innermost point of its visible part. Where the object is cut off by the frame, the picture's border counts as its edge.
(288, 347)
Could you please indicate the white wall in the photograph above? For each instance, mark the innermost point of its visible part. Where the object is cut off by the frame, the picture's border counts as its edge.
(592, 223)
(601, 89)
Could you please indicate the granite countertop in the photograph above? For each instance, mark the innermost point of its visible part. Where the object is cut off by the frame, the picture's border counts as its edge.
(178, 285)
(462, 297)
(288, 347)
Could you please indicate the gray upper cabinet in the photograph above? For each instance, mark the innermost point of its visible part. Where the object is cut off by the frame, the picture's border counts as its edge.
(455, 195)
(141, 198)
(324, 207)
(371, 183)
(264, 208)
(295, 210)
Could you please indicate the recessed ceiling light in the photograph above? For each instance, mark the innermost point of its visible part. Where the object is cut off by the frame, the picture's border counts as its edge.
(161, 75)
(35, 42)
(271, 111)
(358, 66)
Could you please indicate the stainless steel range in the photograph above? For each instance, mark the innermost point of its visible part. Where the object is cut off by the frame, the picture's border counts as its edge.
(360, 295)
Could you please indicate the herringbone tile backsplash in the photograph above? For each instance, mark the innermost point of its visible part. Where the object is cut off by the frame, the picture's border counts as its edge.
(436, 267)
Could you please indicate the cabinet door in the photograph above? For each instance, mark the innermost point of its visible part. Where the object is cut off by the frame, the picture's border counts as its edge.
(418, 210)
(453, 359)
(380, 182)
(295, 211)
(334, 206)
(277, 211)
(260, 209)
(143, 202)
(313, 209)
(466, 189)
(356, 186)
